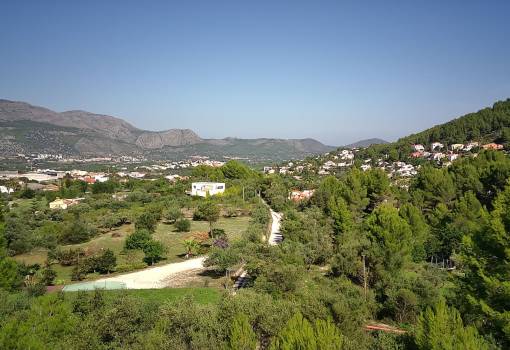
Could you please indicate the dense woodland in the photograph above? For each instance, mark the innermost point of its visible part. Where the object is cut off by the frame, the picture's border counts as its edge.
(431, 260)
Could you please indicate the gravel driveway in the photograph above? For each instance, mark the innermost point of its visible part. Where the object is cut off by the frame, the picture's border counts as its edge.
(155, 277)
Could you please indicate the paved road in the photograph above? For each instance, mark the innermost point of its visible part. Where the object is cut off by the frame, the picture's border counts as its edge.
(154, 277)
(275, 237)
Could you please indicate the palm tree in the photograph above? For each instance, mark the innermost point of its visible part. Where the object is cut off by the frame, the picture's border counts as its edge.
(191, 246)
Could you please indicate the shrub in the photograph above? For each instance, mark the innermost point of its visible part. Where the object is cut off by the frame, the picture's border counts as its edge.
(154, 252)
(106, 262)
(48, 276)
(36, 289)
(78, 273)
(221, 242)
(67, 257)
(103, 187)
(242, 335)
(218, 233)
(10, 276)
(77, 232)
(138, 239)
(183, 225)
(172, 214)
(147, 221)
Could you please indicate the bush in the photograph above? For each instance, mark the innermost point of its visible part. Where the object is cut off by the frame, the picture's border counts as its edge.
(172, 214)
(138, 239)
(37, 289)
(105, 263)
(48, 276)
(77, 232)
(207, 211)
(218, 233)
(104, 187)
(10, 276)
(154, 252)
(131, 267)
(67, 257)
(183, 225)
(147, 221)
(78, 273)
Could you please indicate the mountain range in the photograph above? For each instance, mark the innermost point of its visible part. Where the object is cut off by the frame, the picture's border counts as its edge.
(25, 128)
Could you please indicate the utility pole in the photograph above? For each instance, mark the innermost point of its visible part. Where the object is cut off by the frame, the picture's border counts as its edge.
(364, 276)
(243, 193)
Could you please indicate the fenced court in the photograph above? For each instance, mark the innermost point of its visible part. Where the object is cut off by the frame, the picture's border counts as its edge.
(106, 285)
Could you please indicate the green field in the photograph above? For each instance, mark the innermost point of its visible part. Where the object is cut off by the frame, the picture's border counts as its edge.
(132, 260)
(173, 240)
(199, 295)
(19, 206)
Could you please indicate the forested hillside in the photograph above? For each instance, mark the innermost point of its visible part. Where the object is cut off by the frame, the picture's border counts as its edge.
(487, 125)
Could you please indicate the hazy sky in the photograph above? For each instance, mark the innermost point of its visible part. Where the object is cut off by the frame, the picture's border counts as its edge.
(337, 71)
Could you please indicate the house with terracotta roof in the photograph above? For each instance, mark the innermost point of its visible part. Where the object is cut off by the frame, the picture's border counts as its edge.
(492, 146)
(298, 196)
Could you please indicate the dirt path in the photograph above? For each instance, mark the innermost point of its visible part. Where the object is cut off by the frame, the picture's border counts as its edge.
(156, 277)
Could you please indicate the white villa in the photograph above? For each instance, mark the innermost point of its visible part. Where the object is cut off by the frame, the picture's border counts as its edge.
(202, 189)
(4, 189)
(63, 204)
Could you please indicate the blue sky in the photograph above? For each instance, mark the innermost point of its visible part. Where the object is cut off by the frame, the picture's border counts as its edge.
(337, 71)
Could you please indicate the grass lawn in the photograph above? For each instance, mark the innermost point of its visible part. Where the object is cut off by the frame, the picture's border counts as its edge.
(173, 240)
(22, 205)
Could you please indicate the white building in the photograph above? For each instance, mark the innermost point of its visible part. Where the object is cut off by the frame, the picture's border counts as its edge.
(173, 178)
(438, 156)
(64, 203)
(418, 148)
(202, 189)
(436, 145)
(101, 177)
(269, 170)
(4, 189)
(470, 146)
(453, 156)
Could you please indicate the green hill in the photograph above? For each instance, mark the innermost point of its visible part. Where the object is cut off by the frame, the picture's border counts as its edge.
(491, 124)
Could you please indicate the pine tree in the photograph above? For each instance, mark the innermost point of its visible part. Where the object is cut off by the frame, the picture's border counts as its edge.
(328, 337)
(242, 336)
(390, 236)
(486, 256)
(442, 328)
(298, 334)
(339, 212)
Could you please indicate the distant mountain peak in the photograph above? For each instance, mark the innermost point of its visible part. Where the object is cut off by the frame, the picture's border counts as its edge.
(366, 143)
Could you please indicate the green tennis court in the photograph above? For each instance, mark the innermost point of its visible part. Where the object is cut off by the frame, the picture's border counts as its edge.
(107, 285)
